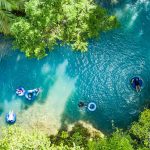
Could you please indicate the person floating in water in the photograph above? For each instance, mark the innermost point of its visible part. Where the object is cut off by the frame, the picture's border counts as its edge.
(90, 106)
(37, 91)
(136, 83)
(20, 91)
(81, 104)
(32, 94)
(11, 117)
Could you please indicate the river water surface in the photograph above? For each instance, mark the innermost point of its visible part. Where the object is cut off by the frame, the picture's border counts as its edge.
(101, 75)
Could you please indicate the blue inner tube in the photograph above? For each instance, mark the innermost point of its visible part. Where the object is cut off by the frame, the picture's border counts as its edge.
(136, 81)
(30, 95)
(13, 120)
(20, 91)
(91, 106)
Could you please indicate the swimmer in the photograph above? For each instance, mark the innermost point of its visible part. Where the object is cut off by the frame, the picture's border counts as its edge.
(137, 85)
(81, 104)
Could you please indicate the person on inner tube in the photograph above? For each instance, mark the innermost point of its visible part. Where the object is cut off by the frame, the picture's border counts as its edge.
(19, 91)
(30, 95)
(137, 84)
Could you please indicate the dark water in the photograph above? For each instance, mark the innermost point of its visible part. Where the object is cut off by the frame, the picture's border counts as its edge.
(101, 75)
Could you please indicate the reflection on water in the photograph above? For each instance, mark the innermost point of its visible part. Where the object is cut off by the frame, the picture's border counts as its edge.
(101, 75)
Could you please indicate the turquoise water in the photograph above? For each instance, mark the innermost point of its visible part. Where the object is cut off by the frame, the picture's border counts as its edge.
(101, 75)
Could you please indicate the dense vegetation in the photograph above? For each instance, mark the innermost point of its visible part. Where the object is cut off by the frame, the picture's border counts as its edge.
(38, 25)
(141, 130)
(9, 11)
(79, 138)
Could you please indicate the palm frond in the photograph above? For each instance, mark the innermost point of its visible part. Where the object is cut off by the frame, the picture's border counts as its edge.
(5, 21)
(6, 17)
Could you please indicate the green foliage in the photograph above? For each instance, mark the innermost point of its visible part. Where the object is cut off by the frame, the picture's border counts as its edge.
(19, 139)
(141, 129)
(118, 141)
(6, 14)
(15, 138)
(72, 22)
(77, 136)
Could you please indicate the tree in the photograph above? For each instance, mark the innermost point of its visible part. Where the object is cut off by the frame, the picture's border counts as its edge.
(79, 136)
(15, 138)
(118, 141)
(141, 130)
(7, 14)
(72, 22)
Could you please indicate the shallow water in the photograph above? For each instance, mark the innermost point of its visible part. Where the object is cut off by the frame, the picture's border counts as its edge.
(101, 75)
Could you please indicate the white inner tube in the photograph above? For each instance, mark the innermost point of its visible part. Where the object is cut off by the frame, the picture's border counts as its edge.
(20, 91)
(92, 106)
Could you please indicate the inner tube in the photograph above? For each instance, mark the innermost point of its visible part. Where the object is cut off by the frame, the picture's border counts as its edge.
(136, 81)
(10, 117)
(32, 94)
(132, 111)
(29, 95)
(91, 106)
(20, 91)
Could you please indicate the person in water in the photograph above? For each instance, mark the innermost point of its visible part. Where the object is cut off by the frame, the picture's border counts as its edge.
(30, 95)
(11, 116)
(19, 92)
(37, 91)
(81, 104)
(137, 84)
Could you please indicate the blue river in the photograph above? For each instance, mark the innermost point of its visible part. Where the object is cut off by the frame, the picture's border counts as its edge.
(101, 75)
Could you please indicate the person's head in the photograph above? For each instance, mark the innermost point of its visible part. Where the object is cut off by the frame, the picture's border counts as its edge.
(137, 82)
(81, 104)
(137, 79)
(29, 95)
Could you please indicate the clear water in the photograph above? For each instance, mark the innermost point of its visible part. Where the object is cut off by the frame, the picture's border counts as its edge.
(101, 75)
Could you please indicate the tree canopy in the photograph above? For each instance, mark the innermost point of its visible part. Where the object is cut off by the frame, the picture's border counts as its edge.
(9, 10)
(117, 141)
(141, 129)
(71, 22)
(15, 138)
